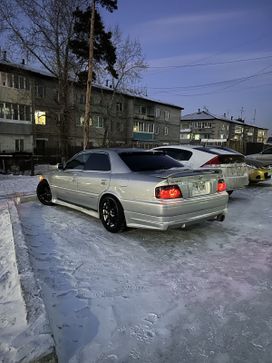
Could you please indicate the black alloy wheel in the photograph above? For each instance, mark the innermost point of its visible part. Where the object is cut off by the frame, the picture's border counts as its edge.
(44, 193)
(112, 214)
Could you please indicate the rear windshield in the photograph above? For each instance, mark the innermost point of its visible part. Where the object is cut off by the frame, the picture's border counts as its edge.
(147, 161)
(226, 155)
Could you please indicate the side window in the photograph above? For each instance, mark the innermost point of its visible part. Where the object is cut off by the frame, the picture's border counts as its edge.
(267, 151)
(98, 162)
(178, 154)
(77, 163)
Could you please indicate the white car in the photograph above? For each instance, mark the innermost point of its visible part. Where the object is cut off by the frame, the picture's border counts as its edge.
(264, 157)
(232, 163)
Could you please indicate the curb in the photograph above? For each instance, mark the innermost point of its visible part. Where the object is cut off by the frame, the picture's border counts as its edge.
(36, 342)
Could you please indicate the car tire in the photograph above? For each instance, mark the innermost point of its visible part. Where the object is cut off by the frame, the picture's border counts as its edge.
(229, 192)
(112, 214)
(44, 193)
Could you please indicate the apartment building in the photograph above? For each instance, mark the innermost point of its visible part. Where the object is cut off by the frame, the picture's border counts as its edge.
(30, 115)
(205, 127)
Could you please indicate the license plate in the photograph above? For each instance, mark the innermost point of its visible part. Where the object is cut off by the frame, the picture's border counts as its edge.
(200, 188)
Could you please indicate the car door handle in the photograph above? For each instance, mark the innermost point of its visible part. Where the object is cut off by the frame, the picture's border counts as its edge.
(103, 181)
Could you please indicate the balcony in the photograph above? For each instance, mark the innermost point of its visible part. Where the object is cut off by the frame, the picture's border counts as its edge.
(142, 136)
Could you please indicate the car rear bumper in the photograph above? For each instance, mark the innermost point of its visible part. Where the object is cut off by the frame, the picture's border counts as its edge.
(236, 182)
(166, 214)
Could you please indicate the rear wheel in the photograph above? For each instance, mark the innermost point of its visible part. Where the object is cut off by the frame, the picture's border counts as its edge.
(112, 214)
(44, 193)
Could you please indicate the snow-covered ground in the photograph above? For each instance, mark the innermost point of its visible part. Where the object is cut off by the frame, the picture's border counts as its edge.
(25, 335)
(197, 295)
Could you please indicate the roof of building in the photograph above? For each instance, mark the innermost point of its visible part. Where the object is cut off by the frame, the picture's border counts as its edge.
(46, 73)
(206, 115)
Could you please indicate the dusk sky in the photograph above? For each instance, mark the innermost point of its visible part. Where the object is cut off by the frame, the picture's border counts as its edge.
(205, 53)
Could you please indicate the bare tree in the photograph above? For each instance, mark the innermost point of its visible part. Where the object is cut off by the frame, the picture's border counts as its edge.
(43, 28)
(129, 66)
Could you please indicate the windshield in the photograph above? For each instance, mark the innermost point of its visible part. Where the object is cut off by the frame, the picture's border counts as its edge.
(148, 161)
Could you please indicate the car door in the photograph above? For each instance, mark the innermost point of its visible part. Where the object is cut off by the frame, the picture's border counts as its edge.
(64, 182)
(94, 179)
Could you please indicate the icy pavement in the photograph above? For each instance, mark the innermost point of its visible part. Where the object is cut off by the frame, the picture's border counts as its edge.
(197, 295)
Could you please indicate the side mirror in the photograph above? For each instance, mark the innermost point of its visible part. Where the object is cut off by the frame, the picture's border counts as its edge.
(60, 166)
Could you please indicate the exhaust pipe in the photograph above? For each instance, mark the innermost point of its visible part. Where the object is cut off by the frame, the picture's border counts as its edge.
(220, 218)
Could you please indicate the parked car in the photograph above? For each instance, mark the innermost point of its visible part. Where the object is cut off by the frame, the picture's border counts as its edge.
(231, 162)
(257, 172)
(265, 156)
(135, 188)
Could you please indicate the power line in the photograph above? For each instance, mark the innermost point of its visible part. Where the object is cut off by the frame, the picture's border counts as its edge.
(218, 83)
(209, 64)
(234, 83)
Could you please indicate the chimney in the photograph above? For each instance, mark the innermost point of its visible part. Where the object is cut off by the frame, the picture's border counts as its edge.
(23, 62)
(225, 114)
(4, 55)
(231, 118)
(199, 111)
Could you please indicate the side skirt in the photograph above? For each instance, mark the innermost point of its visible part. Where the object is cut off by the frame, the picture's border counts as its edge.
(90, 212)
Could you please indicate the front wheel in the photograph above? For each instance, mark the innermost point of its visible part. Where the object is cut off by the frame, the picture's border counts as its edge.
(230, 192)
(44, 193)
(112, 214)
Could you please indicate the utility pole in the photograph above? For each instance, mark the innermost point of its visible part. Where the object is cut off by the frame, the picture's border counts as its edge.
(87, 116)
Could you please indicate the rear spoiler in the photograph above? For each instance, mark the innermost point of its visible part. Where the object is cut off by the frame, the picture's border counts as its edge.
(187, 172)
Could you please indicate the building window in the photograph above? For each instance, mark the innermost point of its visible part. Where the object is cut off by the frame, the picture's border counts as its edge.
(19, 144)
(3, 78)
(141, 126)
(166, 115)
(82, 99)
(40, 118)
(119, 107)
(80, 120)
(2, 110)
(166, 130)
(8, 111)
(140, 110)
(98, 121)
(197, 137)
(158, 112)
(40, 91)
(14, 81)
(157, 130)
(14, 111)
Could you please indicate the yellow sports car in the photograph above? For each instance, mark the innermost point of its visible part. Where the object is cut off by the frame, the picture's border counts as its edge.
(257, 172)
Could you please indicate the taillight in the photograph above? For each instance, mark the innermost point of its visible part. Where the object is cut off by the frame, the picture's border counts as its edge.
(221, 185)
(168, 192)
(213, 161)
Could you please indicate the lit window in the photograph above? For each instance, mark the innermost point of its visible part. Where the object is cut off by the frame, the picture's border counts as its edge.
(40, 117)
(197, 137)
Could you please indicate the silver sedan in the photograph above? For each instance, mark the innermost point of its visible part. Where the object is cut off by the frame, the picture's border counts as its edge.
(135, 188)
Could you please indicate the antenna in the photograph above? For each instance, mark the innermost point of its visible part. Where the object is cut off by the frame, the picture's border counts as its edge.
(254, 116)
(242, 111)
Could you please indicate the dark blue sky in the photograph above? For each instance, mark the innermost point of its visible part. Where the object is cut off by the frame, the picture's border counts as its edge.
(213, 53)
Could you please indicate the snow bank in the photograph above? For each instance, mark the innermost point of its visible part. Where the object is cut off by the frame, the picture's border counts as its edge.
(24, 330)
